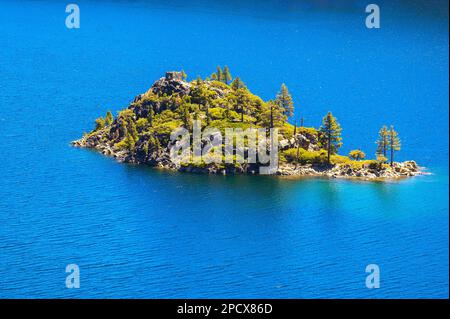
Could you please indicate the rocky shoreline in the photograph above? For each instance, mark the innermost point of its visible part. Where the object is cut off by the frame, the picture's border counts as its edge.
(399, 170)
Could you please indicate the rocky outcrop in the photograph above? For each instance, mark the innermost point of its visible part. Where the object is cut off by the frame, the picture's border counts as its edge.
(398, 170)
(307, 141)
(172, 83)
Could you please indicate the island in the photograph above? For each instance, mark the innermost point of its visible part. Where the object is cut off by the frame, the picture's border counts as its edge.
(147, 131)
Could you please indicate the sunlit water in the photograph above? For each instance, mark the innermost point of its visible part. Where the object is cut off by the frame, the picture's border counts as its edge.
(140, 232)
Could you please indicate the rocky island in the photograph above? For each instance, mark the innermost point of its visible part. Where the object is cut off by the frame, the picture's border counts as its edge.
(143, 133)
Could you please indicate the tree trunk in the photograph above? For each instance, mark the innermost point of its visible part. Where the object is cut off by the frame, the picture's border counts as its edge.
(271, 117)
(242, 114)
(329, 148)
(392, 155)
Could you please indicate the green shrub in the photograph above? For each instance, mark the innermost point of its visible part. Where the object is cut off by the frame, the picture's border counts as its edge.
(127, 143)
(141, 124)
(305, 156)
(216, 113)
(219, 85)
(308, 131)
(287, 130)
(340, 159)
(164, 129)
(221, 125)
(357, 155)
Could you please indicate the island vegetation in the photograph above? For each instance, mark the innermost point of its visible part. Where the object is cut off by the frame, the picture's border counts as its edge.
(141, 132)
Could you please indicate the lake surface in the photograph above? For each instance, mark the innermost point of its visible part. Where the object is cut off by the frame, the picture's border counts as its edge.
(144, 233)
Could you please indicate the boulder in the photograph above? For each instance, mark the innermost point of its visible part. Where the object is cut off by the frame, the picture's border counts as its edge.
(171, 84)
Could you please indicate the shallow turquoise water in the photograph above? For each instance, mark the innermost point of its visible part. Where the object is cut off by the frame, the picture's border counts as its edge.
(138, 232)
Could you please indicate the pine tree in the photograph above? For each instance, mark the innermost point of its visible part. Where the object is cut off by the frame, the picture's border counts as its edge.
(185, 116)
(331, 131)
(237, 84)
(129, 142)
(394, 143)
(99, 123)
(383, 141)
(109, 118)
(284, 99)
(132, 130)
(226, 114)
(226, 75)
(208, 116)
(183, 75)
(298, 153)
(219, 73)
(273, 115)
(150, 116)
(241, 101)
(214, 77)
(272, 107)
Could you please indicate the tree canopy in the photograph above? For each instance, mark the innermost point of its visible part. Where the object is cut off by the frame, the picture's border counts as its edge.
(284, 99)
(394, 142)
(331, 135)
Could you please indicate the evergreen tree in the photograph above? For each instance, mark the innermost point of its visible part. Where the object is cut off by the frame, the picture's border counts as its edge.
(383, 141)
(208, 116)
(394, 143)
(219, 73)
(109, 118)
(226, 75)
(132, 130)
(272, 110)
(185, 116)
(284, 99)
(241, 101)
(214, 77)
(237, 84)
(298, 153)
(183, 75)
(99, 123)
(150, 116)
(272, 115)
(331, 135)
(129, 142)
(226, 113)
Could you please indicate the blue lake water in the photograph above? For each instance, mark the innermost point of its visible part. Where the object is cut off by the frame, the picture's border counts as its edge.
(143, 233)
